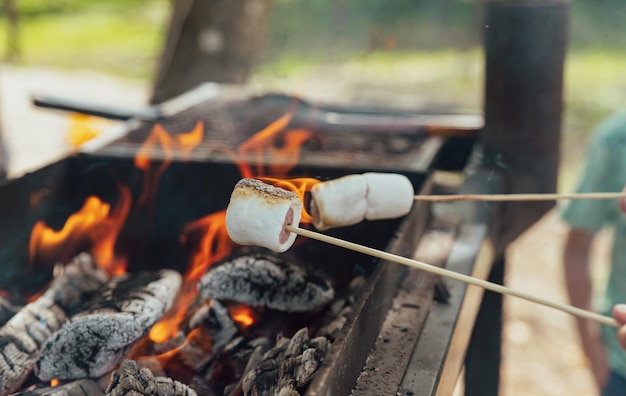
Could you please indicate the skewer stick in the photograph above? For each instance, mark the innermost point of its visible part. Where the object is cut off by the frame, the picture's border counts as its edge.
(606, 320)
(518, 197)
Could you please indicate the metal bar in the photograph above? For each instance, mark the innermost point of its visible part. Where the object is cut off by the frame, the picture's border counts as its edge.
(96, 109)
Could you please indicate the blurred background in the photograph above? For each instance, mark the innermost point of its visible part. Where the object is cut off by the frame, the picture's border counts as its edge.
(401, 53)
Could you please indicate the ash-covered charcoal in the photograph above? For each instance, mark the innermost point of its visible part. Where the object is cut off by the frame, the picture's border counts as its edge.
(94, 341)
(337, 315)
(7, 310)
(131, 380)
(82, 387)
(259, 277)
(241, 359)
(22, 337)
(288, 367)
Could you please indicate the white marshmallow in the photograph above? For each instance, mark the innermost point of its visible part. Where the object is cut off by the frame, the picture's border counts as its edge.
(340, 202)
(389, 195)
(258, 213)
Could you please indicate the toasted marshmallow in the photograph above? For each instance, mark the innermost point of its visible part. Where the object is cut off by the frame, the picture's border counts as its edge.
(339, 203)
(389, 195)
(258, 213)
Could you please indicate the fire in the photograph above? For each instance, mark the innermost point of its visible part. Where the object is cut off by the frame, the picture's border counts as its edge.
(242, 314)
(265, 145)
(54, 382)
(214, 245)
(262, 140)
(159, 137)
(300, 186)
(186, 142)
(94, 225)
(83, 128)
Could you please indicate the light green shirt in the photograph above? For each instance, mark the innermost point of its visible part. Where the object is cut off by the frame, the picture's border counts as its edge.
(605, 171)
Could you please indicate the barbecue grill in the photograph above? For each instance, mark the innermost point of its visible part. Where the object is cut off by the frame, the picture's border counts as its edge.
(408, 332)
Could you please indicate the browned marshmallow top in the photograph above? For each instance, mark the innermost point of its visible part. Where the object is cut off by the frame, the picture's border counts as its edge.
(253, 187)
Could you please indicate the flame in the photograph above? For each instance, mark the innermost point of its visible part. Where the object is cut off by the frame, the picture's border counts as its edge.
(263, 139)
(214, 245)
(299, 186)
(264, 144)
(242, 314)
(195, 338)
(159, 137)
(83, 128)
(95, 224)
(54, 382)
(287, 157)
(186, 142)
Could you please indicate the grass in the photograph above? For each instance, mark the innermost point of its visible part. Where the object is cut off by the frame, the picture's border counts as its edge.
(123, 42)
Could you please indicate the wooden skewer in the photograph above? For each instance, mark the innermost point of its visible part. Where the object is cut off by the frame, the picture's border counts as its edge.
(606, 320)
(518, 197)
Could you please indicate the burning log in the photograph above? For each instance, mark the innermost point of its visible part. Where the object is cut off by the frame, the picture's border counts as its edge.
(288, 367)
(22, 337)
(82, 387)
(94, 341)
(261, 278)
(132, 380)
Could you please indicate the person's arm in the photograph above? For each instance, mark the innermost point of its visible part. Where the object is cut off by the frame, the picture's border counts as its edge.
(579, 289)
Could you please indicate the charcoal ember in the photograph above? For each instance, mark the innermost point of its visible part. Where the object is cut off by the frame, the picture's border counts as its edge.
(94, 341)
(206, 341)
(82, 387)
(263, 278)
(132, 380)
(288, 367)
(22, 337)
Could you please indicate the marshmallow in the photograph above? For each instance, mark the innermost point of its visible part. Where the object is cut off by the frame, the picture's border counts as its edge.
(258, 213)
(340, 202)
(389, 195)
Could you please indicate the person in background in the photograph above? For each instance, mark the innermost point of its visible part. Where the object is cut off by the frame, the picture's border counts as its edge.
(619, 310)
(605, 171)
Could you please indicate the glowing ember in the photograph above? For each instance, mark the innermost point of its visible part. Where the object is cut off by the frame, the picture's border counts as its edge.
(54, 382)
(214, 245)
(242, 314)
(94, 225)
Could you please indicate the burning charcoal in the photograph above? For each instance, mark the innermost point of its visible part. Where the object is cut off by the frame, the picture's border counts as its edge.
(95, 340)
(263, 278)
(208, 340)
(131, 380)
(22, 336)
(288, 367)
(75, 388)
